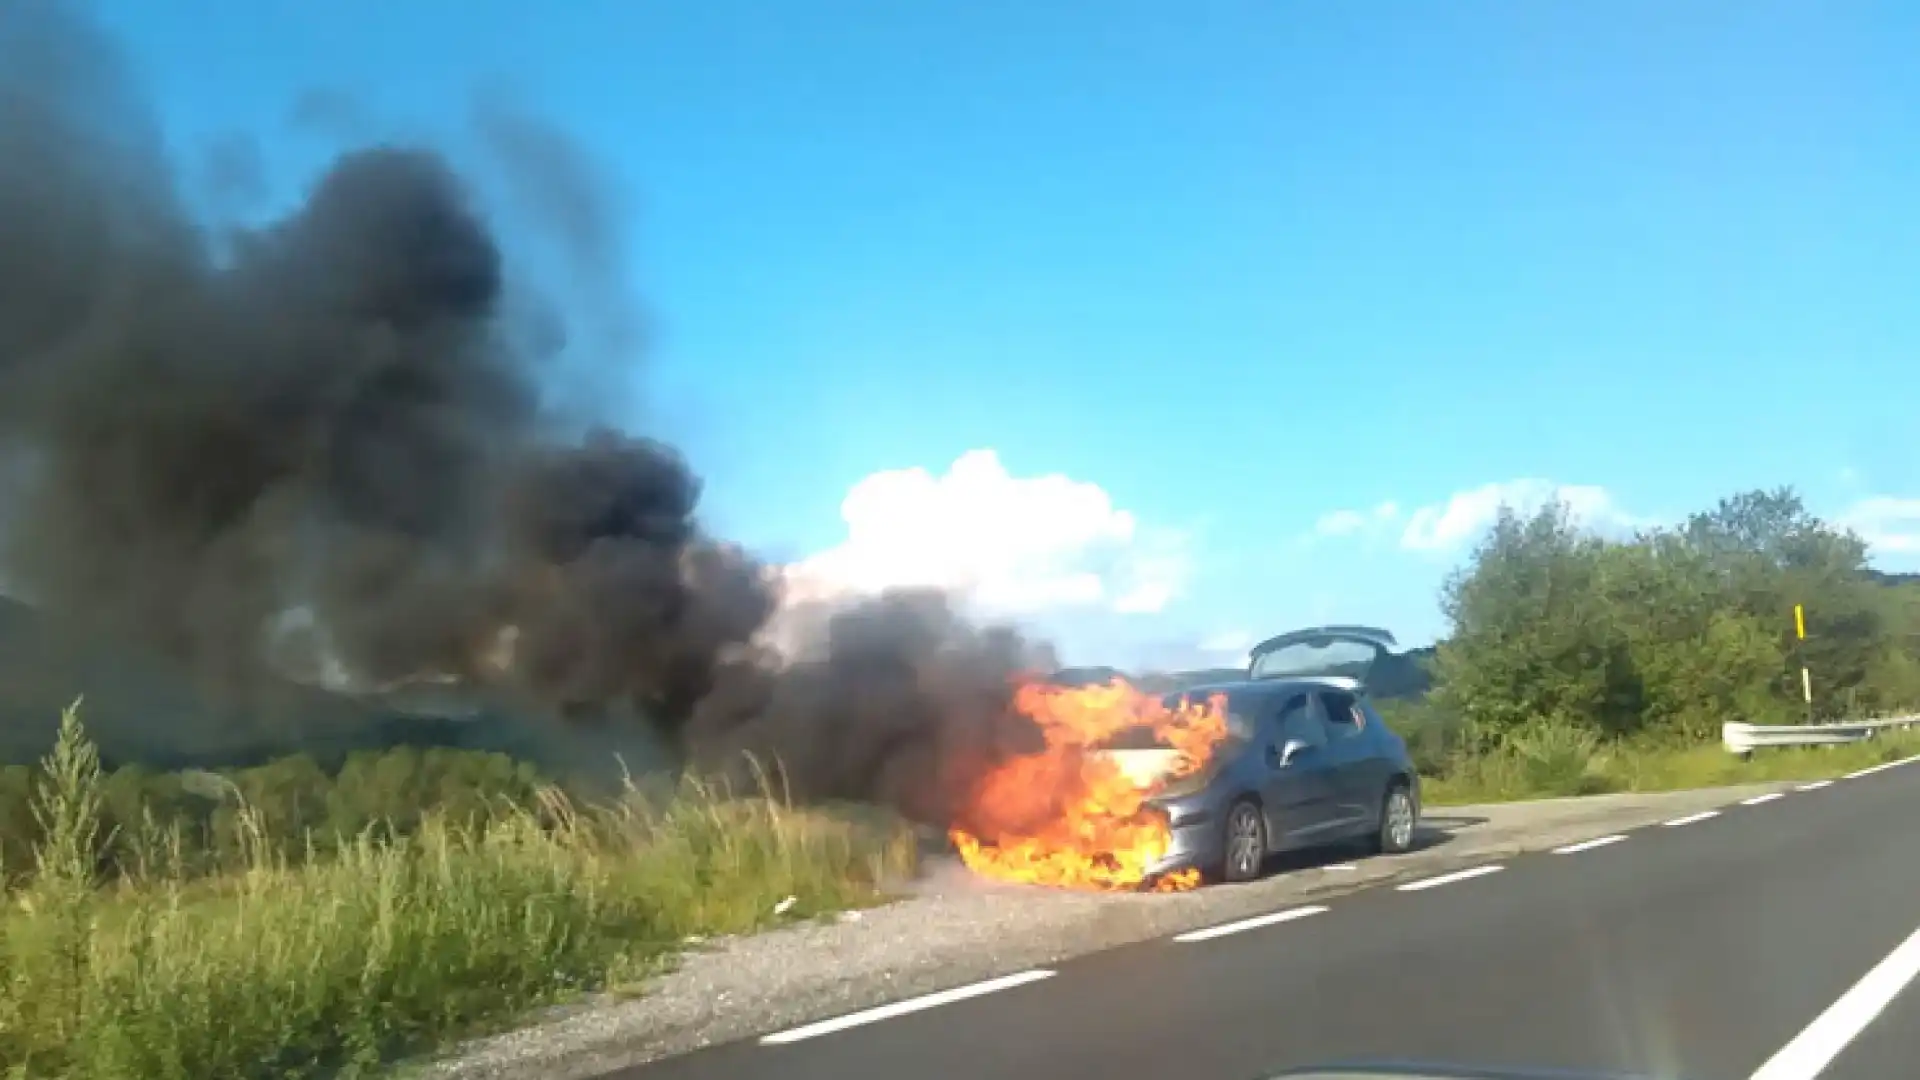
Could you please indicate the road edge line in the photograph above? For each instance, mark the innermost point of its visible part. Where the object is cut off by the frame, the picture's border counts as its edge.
(903, 1008)
(1807, 1054)
(1448, 879)
(1256, 922)
(1589, 845)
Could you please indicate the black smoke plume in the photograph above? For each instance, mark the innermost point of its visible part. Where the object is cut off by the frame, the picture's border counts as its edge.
(334, 414)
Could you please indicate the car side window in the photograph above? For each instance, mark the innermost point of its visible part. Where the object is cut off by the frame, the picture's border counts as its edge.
(1344, 718)
(1296, 720)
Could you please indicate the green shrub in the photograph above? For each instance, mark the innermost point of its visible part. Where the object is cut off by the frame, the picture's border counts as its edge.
(329, 959)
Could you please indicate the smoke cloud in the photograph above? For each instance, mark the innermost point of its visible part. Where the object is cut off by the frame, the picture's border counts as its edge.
(339, 414)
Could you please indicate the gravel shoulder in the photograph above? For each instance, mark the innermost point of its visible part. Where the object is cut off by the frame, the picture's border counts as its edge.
(954, 929)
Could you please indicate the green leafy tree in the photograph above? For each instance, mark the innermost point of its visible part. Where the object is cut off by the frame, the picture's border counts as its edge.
(1696, 660)
(1532, 637)
(1771, 554)
(1671, 634)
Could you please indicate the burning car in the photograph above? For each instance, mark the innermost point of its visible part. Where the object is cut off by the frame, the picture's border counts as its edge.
(1307, 761)
(1138, 789)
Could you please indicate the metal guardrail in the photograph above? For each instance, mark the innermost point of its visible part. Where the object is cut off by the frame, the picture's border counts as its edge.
(1744, 739)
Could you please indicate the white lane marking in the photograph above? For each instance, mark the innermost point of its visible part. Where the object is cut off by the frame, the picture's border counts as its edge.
(1882, 767)
(1815, 1047)
(1589, 845)
(1758, 799)
(1448, 879)
(1254, 923)
(902, 1008)
(1342, 866)
(1691, 818)
(1815, 786)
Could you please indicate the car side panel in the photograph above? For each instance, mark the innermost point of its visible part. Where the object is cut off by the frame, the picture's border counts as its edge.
(1390, 758)
(1357, 783)
(1299, 797)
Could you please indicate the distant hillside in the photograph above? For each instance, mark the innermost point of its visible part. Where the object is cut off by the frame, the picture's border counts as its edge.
(1180, 680)
(137, 707)
(141, 710)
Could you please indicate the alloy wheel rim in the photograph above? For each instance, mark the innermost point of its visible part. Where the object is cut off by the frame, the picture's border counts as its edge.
(1246, 840)
(1400, 819)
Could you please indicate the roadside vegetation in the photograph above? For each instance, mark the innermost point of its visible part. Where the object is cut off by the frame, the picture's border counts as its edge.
(319, 917)
(282, 922)
(1578, 664)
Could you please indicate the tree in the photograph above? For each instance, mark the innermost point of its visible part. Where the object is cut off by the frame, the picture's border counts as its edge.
(1772, 554)
(1531, 635)
(1673, 633)
(1698, 661)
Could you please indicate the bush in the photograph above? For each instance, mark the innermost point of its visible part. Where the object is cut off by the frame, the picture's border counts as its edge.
(1577, 664)
(330, 958)
(1665, 637)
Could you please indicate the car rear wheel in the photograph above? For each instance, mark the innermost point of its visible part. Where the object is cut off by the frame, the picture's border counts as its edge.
(1246, 846)
(1398, 816)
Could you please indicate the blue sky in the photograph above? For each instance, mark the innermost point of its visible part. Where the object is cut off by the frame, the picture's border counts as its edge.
(1242, 266)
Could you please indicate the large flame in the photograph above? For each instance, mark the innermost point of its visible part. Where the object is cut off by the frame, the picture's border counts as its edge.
(1074, 816)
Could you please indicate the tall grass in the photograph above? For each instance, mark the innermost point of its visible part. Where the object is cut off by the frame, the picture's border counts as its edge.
(334, 959)
(1556, 760)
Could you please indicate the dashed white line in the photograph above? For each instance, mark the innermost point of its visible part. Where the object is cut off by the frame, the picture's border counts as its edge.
(1341, 866)
(1254, 923)
(1691, 818)
(1448, 879)
(1758, 799)
(1815, 1048)
(1589, 845)
(902, 1008)
(1815, 786)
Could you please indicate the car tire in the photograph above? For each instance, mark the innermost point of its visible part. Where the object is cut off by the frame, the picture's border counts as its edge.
(1245, 849)
(1399, 819)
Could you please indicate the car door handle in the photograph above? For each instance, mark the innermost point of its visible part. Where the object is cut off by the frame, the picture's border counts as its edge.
(1299, 753)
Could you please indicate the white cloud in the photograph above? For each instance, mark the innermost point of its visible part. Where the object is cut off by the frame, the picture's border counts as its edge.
(1228, 642)
(1354, 522)
(1340, 523)
(1452, 524)
(1888, 523)
(1468, 514)
(1009, 545)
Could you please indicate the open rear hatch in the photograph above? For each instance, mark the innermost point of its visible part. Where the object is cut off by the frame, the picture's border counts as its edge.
(1341, 653)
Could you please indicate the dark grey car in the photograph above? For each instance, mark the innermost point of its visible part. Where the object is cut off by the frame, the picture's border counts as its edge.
(1308, 762)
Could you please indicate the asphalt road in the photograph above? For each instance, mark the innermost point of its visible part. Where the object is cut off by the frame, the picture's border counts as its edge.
(1760, 942)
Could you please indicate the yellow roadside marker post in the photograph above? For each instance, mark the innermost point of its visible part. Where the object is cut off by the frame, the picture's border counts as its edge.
(1806, 679)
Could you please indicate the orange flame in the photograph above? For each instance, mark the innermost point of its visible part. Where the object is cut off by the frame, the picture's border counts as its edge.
(1069, 815)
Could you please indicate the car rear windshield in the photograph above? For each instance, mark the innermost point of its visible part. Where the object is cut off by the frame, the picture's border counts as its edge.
(1349, 658)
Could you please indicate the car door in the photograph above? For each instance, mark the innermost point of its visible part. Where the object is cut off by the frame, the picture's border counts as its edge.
(1357, 775)
(1297, 789)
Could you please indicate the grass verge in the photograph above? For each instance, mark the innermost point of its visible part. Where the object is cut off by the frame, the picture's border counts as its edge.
(333, 963)
(1549, 764)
